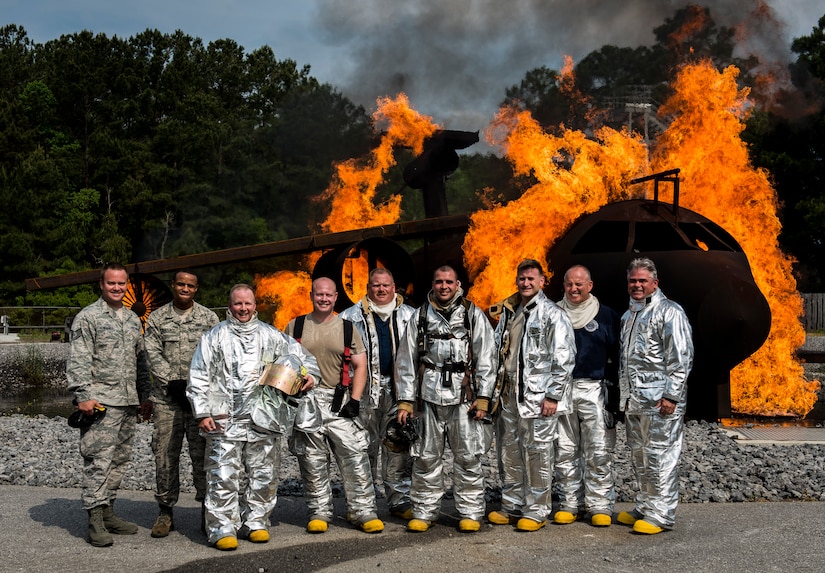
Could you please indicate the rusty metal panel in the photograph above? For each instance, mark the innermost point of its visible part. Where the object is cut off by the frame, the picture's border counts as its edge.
(398, 231)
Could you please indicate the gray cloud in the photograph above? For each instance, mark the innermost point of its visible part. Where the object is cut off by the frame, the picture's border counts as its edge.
(454, 58)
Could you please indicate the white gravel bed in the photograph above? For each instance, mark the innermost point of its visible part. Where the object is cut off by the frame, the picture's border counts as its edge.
(42, 451)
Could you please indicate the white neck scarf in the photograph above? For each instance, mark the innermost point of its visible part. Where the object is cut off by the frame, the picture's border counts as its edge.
(383, 310)
(581, 313)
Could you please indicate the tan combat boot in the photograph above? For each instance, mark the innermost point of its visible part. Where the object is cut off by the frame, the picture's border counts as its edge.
(115, 524)
(164, 523)
(99, 536)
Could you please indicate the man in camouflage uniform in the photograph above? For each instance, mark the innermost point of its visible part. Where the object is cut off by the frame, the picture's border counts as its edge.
(172, 333)
(107, 369)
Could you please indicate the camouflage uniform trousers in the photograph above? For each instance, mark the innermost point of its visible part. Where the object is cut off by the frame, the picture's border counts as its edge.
(172, 423)
(106, 448)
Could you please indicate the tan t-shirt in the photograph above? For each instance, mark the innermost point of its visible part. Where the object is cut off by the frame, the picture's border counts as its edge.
(326, 343)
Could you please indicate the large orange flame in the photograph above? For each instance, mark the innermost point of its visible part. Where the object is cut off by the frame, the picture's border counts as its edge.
(577, 175)
(704, 141)
(351, 196)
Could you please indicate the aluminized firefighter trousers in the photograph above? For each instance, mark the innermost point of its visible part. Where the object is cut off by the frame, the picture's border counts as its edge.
(655, 445)
(345, 439)
(396, 467)
(526, 455)
(584, 474)
(469, 440)
(229, 498)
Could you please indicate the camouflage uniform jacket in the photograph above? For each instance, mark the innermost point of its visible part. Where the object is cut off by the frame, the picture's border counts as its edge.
(171, 340)
(107, 360)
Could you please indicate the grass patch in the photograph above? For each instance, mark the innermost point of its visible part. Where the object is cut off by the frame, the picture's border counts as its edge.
(31, 366)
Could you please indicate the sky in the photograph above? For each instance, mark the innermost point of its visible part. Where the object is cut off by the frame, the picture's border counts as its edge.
(453, 58)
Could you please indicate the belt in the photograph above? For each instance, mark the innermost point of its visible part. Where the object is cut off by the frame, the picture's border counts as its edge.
(451, 367)
(437, 336)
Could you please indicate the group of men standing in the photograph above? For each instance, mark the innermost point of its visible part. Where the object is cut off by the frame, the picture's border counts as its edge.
(440, 374)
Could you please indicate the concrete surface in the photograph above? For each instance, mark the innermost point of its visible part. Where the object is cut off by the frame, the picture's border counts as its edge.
(43, 529)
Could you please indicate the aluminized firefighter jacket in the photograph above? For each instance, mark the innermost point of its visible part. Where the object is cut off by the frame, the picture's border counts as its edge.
(656, 358)
(378, 404)
(547, 351)
(445, 403)
(525, 439)
(223, 385)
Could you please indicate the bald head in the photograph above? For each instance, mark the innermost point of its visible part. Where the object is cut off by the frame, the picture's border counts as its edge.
(324, 294)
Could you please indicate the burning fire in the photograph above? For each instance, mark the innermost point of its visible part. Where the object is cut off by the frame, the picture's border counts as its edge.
(351, 195)
(286, 292)
(704, 141)
(577, 176)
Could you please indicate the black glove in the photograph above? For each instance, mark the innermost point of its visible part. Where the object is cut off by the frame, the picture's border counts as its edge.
(350, 409)
(176, 389)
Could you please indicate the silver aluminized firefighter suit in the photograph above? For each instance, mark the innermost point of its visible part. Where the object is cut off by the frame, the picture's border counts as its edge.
(537, 363)
(338, 436)
(584, 473)
(242, 458)
(442, 395)
(655, 360)
(378, 405)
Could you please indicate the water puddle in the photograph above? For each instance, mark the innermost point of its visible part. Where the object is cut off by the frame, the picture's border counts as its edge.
(47, 401)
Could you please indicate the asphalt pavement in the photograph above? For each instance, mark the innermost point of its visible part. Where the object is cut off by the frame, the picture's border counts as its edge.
(44, 530)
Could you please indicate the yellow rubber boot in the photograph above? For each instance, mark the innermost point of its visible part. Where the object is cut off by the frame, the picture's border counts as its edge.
(259, 536)
(317, 526)
(527, 524)
(372, 526)
(228, 543)
(469, 525)
(418, 525)
(642, 526)
(564, 517)
(501, 518)
(601, 520)
(626, 518)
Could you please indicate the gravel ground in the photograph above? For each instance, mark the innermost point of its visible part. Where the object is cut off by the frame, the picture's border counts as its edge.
(43, 451)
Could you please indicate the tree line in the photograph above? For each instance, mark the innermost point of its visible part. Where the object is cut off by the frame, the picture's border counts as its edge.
(159, 145)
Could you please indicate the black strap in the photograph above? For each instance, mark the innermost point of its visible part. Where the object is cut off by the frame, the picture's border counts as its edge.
(422, 330)
(298, 329)
(346, 379)
(526, 313)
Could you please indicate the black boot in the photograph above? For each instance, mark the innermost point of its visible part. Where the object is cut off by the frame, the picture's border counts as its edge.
(117, 525)
(99, 536)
